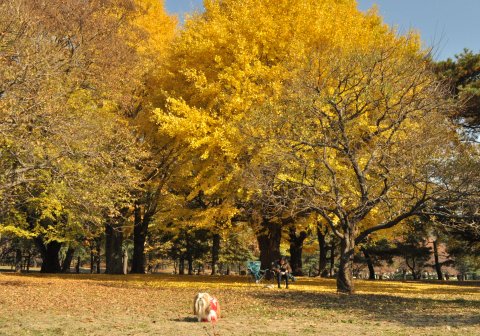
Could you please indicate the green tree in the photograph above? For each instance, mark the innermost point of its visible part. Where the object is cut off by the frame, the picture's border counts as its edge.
(463, 76)
(412, 247)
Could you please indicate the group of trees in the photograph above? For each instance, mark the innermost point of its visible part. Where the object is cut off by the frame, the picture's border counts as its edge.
(73, 76)
(253, 115)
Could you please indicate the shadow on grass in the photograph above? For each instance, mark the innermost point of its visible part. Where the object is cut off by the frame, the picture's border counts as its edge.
(189, 319)
(413, 312)
(13, 283)
(167, 277)
(395, 287)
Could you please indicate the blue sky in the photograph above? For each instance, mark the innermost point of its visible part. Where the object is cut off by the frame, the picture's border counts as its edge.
(447, 25)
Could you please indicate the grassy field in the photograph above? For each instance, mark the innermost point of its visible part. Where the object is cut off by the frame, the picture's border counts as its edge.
(161, 305)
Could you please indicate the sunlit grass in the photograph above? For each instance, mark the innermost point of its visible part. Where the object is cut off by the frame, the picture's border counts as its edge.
(322, 285)
(160, 304)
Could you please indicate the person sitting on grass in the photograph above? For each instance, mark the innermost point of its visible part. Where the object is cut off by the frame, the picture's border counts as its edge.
(283, 269)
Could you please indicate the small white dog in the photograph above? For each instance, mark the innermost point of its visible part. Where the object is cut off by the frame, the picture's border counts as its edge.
(206, 308)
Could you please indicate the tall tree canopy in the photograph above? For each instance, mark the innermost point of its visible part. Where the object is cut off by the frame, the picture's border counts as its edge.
(70, 76)
(280, 114)
(336, 115)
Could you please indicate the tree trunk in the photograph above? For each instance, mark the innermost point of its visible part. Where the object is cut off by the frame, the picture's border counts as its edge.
(296, 249)
(68, 260)
(108, 247)
(49, 253)
(332, 257)
(98, 242)
(189, 253)
(190, 264)
(412, 267)
(371, 269)
(18, 260)
(92, 258)
(77, 267)
(215, 251)
(181, 266)
(345, 269)
(113, 249)
(438, 266)
(140, 231)
(269, 243)
(125, 261)
(322, 257)
(27, 261)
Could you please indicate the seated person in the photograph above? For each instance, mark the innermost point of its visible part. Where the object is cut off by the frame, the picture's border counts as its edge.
(283, 269)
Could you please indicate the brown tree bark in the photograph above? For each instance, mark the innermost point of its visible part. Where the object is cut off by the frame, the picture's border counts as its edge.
(18, 260)
(49, 253)
(371, 269)
(113, 249)
(269, 243)
(332, 257)
(140, 231)
(412, 266)
(181, 265)
(125, 261)
(68, 260)
(189, 253)
(296, 250)
(438, 266)
(98, 246)
(322, 257)
(143, 214)
(215, 251)
(27, 261)
(92, 260)
(345, 268)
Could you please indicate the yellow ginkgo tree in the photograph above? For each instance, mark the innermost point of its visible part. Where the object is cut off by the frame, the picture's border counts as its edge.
(149, 32)
(225, 64)
(290, 107)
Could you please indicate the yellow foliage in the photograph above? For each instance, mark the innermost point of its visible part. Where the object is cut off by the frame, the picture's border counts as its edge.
(228, 69)
(157, 29)
(14, 230)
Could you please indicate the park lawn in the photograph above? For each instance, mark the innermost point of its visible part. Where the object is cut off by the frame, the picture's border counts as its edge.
(37, 304)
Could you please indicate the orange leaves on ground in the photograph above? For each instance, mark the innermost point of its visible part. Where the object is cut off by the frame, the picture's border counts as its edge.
(161, 304)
